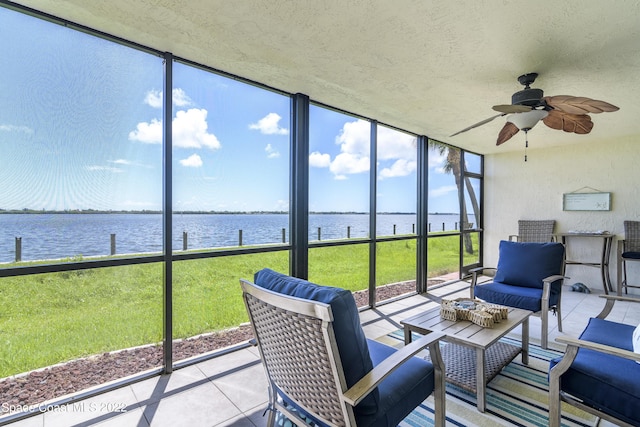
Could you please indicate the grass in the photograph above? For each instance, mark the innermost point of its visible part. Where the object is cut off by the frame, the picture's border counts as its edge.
(54, 317)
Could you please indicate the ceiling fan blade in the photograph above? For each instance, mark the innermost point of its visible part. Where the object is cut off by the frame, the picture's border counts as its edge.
(485, 121)
(576, 123)
(578, 104)
(507, 131)
(510, 108)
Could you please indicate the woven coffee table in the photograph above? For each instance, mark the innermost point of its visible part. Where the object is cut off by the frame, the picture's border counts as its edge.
(472, 351)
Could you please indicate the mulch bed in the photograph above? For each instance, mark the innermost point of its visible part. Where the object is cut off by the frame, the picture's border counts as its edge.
(56, 381)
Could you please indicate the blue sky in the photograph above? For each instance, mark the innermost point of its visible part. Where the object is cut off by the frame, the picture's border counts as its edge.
(80, 128)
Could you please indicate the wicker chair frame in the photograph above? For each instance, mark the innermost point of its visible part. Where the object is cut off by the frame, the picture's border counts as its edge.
(537, 231)
(630, 243)
(301, 360)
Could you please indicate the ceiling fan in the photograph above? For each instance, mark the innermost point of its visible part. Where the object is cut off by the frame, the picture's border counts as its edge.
(529, 106)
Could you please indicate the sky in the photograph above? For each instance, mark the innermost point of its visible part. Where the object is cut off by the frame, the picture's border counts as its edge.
(81, 128)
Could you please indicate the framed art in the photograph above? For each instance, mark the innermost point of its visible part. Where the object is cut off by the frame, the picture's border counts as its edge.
(586, 202)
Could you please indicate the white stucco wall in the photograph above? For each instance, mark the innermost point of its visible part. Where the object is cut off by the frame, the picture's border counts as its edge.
(515, 190)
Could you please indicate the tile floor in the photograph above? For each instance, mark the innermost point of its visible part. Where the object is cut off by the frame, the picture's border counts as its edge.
(230, 390)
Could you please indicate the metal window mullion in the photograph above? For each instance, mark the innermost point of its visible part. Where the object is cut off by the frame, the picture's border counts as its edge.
(167, 217)
(462, 216)
(373, 210)
(299, 193)
(422, 215)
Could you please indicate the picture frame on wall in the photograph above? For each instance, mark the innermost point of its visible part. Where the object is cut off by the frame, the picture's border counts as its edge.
(586, 202)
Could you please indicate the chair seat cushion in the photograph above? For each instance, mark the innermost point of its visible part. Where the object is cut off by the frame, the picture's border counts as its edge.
(609, 383)
(527, 264)
(631, 255)
(400, 392)
(350, 338)
(513, 296)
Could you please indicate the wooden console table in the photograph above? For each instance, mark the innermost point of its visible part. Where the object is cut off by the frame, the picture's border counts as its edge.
(607, 243)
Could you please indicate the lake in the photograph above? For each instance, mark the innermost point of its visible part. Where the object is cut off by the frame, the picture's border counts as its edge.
(53, 236)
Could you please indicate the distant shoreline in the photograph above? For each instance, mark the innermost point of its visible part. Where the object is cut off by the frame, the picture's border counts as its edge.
(153, 212)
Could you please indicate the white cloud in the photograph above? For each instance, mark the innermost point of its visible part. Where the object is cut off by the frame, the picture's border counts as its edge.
(443, 191)
(354, 138)
(437, 160)
(193, 161)
(397, 150)
(354, 157)
(180, 98)
(393, 144)
(97, 168)
(399, 147)
(354, 150)
(148, 133)
(319, 160)
(125, 162)
(401, 167)
(154, 98)
(13, 128)
(269, 125)
(189, 131)
(272, 153)
(349, 163)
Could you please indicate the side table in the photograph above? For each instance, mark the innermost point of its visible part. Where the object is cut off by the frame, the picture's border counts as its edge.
(607, 243)
(473, 355)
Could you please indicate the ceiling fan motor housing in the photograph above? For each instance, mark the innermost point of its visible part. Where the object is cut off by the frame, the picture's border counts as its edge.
(529, 97)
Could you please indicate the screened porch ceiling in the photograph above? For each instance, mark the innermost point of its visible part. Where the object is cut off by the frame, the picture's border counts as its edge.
(429, 67)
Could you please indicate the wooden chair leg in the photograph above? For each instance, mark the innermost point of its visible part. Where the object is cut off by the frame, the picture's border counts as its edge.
(439, 392)
(555, 404)
(624, 279)
(559, 314)
(619, 268)
(544, 333)
(555, 413)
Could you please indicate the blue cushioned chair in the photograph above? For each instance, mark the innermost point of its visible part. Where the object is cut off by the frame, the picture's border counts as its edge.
(598, 372)
(529, 276)
(321, 367)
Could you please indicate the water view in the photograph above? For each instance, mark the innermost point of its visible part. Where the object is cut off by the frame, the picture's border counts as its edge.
(53, 236)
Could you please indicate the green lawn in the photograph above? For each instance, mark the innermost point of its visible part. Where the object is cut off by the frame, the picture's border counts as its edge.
(54, 317)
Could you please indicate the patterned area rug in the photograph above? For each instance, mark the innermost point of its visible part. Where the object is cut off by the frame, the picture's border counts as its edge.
(518, 396)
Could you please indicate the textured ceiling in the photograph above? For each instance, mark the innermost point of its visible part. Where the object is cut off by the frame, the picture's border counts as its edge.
(429, 67)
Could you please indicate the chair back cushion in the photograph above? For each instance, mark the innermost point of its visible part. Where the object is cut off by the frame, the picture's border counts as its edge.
(350, 338)
(527, 264)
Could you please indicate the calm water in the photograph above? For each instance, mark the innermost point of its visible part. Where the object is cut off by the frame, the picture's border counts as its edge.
(51, 236)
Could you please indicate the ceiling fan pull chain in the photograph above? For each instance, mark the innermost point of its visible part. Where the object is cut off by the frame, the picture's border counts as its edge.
(526, 144)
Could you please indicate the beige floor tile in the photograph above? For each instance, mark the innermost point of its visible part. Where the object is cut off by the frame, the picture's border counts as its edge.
(230, 362)
(204, 405)
(246, 388)
(156, 388)
(94, 410)
(257, 416)
(34, 421)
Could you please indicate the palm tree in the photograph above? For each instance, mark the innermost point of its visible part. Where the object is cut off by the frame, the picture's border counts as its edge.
(453, 165)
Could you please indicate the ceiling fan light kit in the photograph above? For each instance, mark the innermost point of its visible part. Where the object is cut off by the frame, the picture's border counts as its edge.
(529, 106)
(526, 121)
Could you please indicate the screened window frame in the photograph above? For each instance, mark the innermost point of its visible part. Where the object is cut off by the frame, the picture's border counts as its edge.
(298, 244)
